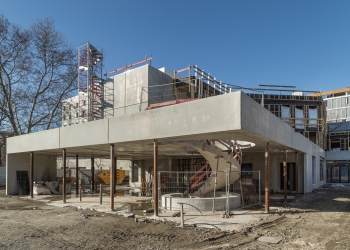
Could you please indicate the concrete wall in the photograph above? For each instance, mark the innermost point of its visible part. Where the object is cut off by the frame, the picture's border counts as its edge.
(144, 167)
(99, 163)
(159, 94)
(258, 163)
(44, 169)
(123, 91)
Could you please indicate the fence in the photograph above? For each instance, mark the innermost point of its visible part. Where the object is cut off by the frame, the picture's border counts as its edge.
(2, 175)
(209, 184)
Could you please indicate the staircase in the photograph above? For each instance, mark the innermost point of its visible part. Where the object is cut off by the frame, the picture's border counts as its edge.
(218, 154)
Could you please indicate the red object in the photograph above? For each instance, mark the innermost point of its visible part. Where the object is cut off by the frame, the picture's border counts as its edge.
(162, 104)
(198, 182)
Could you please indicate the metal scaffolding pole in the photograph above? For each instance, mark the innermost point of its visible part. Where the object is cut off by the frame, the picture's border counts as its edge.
(31, 174)
(112, 174)
(92, 175)
(296, 173)
(155, 177)
(267, 179)
(64, 160)
(285, 175)
(76, 174)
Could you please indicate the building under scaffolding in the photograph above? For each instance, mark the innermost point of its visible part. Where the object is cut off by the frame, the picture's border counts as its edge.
(130, 113)
(306, 114)
(144, 88)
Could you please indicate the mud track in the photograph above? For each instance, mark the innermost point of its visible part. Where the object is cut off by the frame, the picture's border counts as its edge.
(320, 220)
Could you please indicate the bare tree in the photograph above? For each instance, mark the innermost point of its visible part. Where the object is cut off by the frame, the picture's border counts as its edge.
(37, 72)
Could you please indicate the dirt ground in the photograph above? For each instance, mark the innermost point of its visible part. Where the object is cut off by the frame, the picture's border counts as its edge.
(320, 220)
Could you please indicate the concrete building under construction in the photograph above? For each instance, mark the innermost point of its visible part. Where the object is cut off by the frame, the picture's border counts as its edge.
(183, 131)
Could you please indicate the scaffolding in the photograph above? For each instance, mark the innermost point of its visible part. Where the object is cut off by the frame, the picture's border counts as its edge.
(90, 83)
(197, 83)
(306, 114)
(338, 136)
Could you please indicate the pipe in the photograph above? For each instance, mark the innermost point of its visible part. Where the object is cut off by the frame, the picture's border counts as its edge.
(100, 194)
(216, 176)
(115, 173)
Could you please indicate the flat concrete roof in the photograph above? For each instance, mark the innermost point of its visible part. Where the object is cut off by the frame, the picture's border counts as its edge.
(233, 116)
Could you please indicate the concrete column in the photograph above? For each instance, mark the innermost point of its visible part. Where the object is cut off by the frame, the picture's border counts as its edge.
(296, 173)
(64, 161)
(267, 179)
(112, 176)
(92, 174)
(307, 173)
(155, 177)
(31, 174)
(77, 174)
(285, 175)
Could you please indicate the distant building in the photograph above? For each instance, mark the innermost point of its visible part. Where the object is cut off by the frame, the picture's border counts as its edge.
(338, 105)
(338, 134)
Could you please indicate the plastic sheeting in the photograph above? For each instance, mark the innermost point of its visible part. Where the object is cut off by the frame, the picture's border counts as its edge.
(299, 118)
(338, 127)
(312, 117)
(285, 112)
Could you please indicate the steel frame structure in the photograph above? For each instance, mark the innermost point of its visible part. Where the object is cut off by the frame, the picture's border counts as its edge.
(90, 83)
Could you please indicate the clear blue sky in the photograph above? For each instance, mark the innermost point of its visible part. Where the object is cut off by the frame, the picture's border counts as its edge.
(247, 43)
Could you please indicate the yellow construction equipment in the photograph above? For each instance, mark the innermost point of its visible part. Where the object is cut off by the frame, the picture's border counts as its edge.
(104, 176)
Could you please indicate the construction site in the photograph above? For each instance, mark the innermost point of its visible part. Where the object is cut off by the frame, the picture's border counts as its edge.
(180, 147)
(183, 136)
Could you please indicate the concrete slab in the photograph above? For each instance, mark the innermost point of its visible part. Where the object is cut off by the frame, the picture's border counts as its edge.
(130, 206)
(274, 240)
